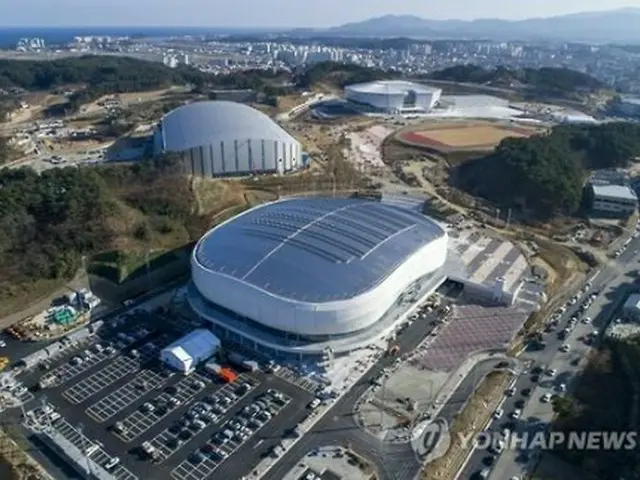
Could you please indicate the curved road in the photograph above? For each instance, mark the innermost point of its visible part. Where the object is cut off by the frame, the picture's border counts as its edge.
(338, 427)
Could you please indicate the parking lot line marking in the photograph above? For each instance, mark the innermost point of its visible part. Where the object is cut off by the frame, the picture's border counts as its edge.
(160, 441)
(127, 394)
(137, 423)
(187, 470)
(121, 367)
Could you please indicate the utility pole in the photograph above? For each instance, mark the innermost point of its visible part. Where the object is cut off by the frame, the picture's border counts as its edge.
(508, 219)
(497, 215)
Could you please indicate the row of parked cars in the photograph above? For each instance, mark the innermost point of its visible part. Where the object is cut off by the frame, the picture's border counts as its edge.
(242, 426)
(203, 413)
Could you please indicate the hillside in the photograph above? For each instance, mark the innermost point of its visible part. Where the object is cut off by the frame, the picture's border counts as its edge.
(543, 81)
(90, 77)
(544, 175)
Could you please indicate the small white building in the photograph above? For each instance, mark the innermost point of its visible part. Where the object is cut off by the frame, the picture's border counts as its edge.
(618, 200)
(194, 348)
(631, 308)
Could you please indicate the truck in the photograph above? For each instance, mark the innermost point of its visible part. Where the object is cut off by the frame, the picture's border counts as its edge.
(213, 367)
(227, 375)
(243, 362)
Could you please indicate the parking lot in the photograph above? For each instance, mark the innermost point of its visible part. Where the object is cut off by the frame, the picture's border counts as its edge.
(110, 374)
(98, 455)
(202, 462)
(169, 441)
(117, 390)
(140, 421)
(145, 381)
(69, 370)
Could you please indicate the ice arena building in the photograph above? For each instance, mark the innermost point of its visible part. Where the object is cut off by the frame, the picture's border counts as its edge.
(303, 276)
(221, 138)
(393, 96)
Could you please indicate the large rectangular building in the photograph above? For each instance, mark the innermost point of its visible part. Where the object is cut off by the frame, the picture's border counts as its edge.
(614, 200)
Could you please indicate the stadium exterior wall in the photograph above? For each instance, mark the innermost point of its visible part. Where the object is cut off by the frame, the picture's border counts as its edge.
(392, 102)
(318, 319)
(238, 157)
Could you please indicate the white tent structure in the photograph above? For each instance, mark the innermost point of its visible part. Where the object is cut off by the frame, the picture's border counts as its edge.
(187, 352)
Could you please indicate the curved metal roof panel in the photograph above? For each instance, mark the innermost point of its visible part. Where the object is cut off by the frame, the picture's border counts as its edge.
(316, 250)
(391, 87)
(201, 123)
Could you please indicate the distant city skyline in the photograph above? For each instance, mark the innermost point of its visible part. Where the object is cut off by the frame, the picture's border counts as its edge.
(274, 13)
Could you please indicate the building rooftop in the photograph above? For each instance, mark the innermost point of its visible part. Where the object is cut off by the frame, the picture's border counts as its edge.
(633, 302)
(316, 249)
(484, 260)
(622, 192)
(392, 87)
(201, 123)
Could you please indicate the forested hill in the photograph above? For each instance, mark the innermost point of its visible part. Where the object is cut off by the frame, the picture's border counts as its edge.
(92, 76)
(120, 73)
(545, 174)
(545, 80)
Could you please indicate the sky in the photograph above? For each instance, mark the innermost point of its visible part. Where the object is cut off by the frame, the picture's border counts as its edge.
(275, 13)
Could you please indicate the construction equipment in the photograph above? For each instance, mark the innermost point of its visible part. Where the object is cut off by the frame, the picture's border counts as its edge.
(4, 361)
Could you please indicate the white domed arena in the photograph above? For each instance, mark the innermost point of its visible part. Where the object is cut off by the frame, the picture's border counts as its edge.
(305, 275)
(394, 96)
(220, 138)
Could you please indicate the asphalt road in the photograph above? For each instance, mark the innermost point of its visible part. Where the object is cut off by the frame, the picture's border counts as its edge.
(614, 276)
(338, 427)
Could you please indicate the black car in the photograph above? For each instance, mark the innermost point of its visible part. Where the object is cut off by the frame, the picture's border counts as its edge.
(185, 434)
(537, 370)
(175, 428)
(160, 411)
(174, 443)
(526, 392)
(535, 378)
(519, 404)
(489, 460)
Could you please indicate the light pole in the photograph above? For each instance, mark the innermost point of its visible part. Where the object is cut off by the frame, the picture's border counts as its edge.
(83, 439)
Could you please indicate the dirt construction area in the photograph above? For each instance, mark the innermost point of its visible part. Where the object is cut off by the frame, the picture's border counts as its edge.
(462, 136)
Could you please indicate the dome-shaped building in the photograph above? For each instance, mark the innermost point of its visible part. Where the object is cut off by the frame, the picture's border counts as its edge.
(219, 138)
(320, 272)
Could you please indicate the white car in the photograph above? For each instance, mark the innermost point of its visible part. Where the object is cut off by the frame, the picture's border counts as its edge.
(516, 414)
(3, 344)
(562, 387)
(511, 392)
(546, 398)
(551, 372)
(565, 348)
(586, 320)
(498, 413)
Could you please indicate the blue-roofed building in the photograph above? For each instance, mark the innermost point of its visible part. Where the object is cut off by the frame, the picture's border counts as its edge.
(307, 274)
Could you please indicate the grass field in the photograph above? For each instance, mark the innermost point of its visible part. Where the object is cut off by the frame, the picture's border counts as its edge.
(462, 136)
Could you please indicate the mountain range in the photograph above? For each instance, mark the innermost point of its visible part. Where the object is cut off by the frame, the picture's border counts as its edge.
(614, 26)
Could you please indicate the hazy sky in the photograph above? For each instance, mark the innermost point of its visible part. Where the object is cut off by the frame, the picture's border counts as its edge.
(270, 13)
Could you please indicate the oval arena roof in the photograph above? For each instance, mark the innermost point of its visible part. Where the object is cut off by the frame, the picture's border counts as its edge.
(316, 249)
(391, 87)
(202, 123)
